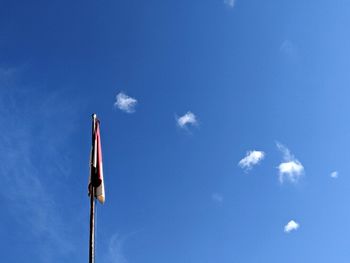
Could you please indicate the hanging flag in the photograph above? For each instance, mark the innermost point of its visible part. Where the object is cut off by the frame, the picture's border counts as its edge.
(96, 168)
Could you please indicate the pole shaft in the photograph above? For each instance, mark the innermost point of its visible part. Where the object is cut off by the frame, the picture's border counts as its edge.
(92, 199)
(92, 226)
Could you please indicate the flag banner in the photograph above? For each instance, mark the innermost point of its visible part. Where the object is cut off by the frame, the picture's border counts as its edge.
(96, 168)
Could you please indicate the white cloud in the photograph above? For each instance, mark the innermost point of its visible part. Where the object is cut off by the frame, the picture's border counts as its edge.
(125, 103)
(230, 3)
(218, 198)
(252, 158)
(292, 225)
(334, 174)
(291, 169)
(188, 119)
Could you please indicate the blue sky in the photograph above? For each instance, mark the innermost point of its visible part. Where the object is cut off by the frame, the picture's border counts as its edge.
(225, 130)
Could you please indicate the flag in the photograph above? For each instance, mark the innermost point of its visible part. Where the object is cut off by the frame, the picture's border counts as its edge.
(96, 168)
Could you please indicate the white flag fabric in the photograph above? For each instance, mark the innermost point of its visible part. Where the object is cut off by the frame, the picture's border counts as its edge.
(96, 167)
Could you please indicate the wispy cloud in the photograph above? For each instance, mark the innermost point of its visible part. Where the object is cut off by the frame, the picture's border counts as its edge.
(252, 158)
(217, 198)
(290, 50)
(125, 103)
(33, 165)
(188, 119)
(230, 3)
(334, 174)
(6, 74)
(291, 226)
(291, 169)
(115, 249)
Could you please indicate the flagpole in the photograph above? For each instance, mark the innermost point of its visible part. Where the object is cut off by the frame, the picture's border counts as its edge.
(92, 225)
(92, 202)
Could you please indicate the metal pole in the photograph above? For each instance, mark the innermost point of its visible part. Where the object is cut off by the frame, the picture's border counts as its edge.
(92, 197)
(92, 225)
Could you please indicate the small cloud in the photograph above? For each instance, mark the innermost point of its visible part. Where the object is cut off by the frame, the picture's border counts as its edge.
(252, 158)
(291, 226)
(289, 49)
(218, 198)
(230, 3)
(291, 169)
(188, 119)
(125, 103)
(334, 174)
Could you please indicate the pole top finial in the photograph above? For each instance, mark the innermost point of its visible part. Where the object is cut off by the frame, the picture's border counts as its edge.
(94, 116)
